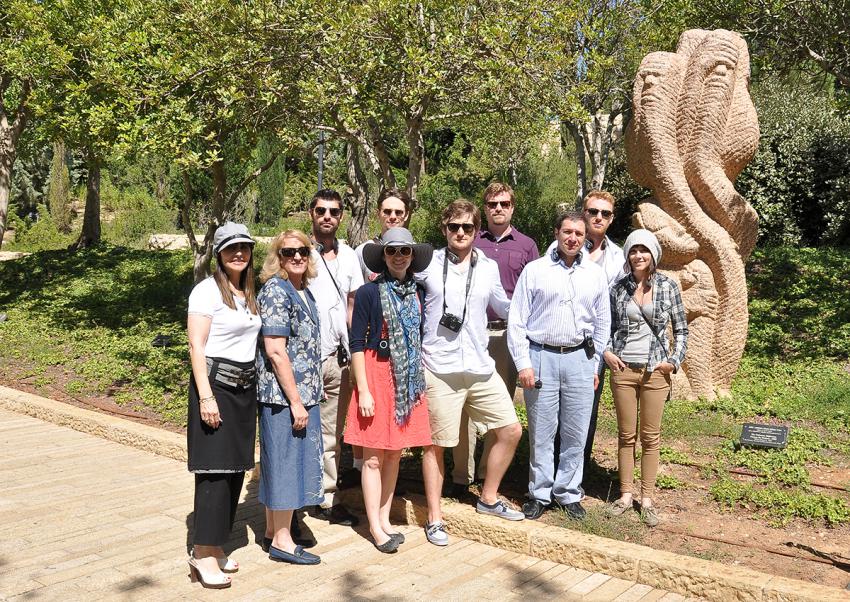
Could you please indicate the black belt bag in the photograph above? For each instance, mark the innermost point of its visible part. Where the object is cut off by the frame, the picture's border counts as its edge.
(232, 375)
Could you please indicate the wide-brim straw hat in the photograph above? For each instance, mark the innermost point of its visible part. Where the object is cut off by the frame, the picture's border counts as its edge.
(373, 252)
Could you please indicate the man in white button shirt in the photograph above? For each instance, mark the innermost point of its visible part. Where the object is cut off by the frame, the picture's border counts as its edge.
(558, 326)
(338, 277)
(460, 283)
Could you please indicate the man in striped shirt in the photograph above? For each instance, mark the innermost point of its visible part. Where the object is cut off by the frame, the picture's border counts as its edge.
(558, 326)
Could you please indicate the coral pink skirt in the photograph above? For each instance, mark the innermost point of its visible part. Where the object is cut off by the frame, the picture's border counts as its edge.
(381, 431)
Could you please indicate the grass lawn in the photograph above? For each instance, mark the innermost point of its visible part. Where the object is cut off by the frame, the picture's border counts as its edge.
(83, 323)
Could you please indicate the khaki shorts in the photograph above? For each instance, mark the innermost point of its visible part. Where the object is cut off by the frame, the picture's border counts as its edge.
(484, 398)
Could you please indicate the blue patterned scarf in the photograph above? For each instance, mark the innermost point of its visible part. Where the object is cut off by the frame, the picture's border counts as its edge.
(400, 306)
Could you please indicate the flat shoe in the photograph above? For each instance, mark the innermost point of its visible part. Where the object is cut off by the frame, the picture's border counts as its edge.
(617, 508)
(399, 537)
(388, 547)
(299, 556)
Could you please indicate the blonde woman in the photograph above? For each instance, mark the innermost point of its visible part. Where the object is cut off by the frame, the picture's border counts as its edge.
(289, 392)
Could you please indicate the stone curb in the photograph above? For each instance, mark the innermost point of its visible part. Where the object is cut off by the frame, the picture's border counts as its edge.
(120, 430)
(665, 570)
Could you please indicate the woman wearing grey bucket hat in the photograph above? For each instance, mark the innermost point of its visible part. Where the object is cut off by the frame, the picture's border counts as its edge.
(389, 411)
(643, 303)
(223, 326)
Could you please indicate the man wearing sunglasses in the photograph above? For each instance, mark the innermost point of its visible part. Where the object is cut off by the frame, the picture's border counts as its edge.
(460, 283)
(598, 215)
(338, 278)
(512, 251)
(393, 211)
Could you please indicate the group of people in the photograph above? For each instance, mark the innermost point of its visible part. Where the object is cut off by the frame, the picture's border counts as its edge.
(395, 345)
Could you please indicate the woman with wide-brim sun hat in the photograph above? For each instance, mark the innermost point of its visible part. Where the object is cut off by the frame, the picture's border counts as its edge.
(289, 389)
(223, 325)
(388, 410)
(641, 359)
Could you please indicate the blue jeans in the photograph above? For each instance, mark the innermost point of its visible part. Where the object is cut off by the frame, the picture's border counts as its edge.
(564, 402)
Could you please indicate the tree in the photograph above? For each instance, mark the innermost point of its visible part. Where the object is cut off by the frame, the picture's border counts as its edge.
(381, 74)
(32, 60)
(206, 92)
(59, 189)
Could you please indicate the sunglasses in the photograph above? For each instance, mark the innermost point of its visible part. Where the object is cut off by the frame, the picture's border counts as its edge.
(403, 251)
(594, 212)
(494, 204)
(453, 227)
(289, 252)
(334, 211)
(392, 212)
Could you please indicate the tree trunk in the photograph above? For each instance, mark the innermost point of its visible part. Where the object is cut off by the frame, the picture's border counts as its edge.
(416, 157)
(577, 135)
(91, 218)
(7, 161)
(204, 252)
(356, 197)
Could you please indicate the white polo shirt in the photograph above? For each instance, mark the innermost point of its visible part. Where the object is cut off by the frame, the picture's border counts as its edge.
(233, 332)
(331, 304)
(447, 352)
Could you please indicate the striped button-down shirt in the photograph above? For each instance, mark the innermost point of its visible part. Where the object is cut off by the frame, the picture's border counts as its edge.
(558, 305)
(669, 309)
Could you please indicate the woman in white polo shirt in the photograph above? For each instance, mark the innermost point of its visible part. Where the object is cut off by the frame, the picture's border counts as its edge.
(223, 326)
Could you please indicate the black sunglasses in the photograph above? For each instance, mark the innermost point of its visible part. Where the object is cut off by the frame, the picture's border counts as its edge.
(453, 227)
(494, 204)
(403, 251)
(334, 211)
(289, 252)
(594, 212)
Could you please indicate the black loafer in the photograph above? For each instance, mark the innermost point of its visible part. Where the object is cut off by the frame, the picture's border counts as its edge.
(533, 509)
(388, 547)
(299, 556)
(337, 515)
(575, 510)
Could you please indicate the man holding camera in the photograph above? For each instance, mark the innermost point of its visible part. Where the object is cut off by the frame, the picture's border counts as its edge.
(460, 283)
(338, 277)
(559, 323)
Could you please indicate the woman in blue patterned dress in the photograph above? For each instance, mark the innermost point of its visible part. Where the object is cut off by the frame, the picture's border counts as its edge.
(289, 390)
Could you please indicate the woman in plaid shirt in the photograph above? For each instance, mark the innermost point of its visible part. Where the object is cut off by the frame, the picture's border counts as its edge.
(643, 303)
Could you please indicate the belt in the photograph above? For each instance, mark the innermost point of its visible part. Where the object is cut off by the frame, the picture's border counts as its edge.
(497, 324)
(556, 348)
(635, 365)
(230, 375)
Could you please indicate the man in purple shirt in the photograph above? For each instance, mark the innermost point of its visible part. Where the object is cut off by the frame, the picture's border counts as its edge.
(511, 250)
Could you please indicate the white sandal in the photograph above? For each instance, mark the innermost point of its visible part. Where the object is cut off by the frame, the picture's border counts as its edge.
(220, 581)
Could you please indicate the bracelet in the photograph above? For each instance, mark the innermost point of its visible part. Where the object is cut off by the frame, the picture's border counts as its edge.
(203, 399)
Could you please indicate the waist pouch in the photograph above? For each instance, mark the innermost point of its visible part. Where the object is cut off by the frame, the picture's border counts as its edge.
(232, 375)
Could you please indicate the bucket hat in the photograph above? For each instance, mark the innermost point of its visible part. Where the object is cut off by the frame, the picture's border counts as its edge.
(373, 252)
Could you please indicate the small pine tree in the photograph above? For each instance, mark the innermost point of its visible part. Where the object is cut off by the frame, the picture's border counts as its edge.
(59, 189)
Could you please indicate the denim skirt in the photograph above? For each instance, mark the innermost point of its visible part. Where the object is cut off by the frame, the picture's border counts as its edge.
(291, 461)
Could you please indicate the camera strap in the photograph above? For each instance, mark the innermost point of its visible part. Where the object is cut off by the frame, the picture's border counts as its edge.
(468, 283)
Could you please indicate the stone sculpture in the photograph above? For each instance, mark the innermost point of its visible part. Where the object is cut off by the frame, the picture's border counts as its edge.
(694, 128)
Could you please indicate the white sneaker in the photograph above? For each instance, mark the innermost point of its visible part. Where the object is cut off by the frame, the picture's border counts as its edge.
(500, 509)
(436, 534)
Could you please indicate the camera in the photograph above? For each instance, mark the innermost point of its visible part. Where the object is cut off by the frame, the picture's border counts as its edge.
(342, 356)
(384, 348)
(451, 321)
(589, 347)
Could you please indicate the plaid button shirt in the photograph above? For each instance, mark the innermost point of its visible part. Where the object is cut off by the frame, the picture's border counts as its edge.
(669, 309)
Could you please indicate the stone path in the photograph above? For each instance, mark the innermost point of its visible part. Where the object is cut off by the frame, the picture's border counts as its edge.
(86, 519)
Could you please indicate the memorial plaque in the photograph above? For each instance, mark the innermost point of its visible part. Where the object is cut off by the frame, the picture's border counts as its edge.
(764, 435)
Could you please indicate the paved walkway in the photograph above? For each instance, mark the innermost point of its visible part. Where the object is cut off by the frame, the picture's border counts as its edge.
(84, 519)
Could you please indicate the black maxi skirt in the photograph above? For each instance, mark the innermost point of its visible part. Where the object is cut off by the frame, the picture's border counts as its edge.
(230, 447)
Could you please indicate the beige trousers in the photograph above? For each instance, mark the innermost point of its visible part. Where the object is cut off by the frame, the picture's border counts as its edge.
(463, 454)
(639, 397)
(333, 412)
